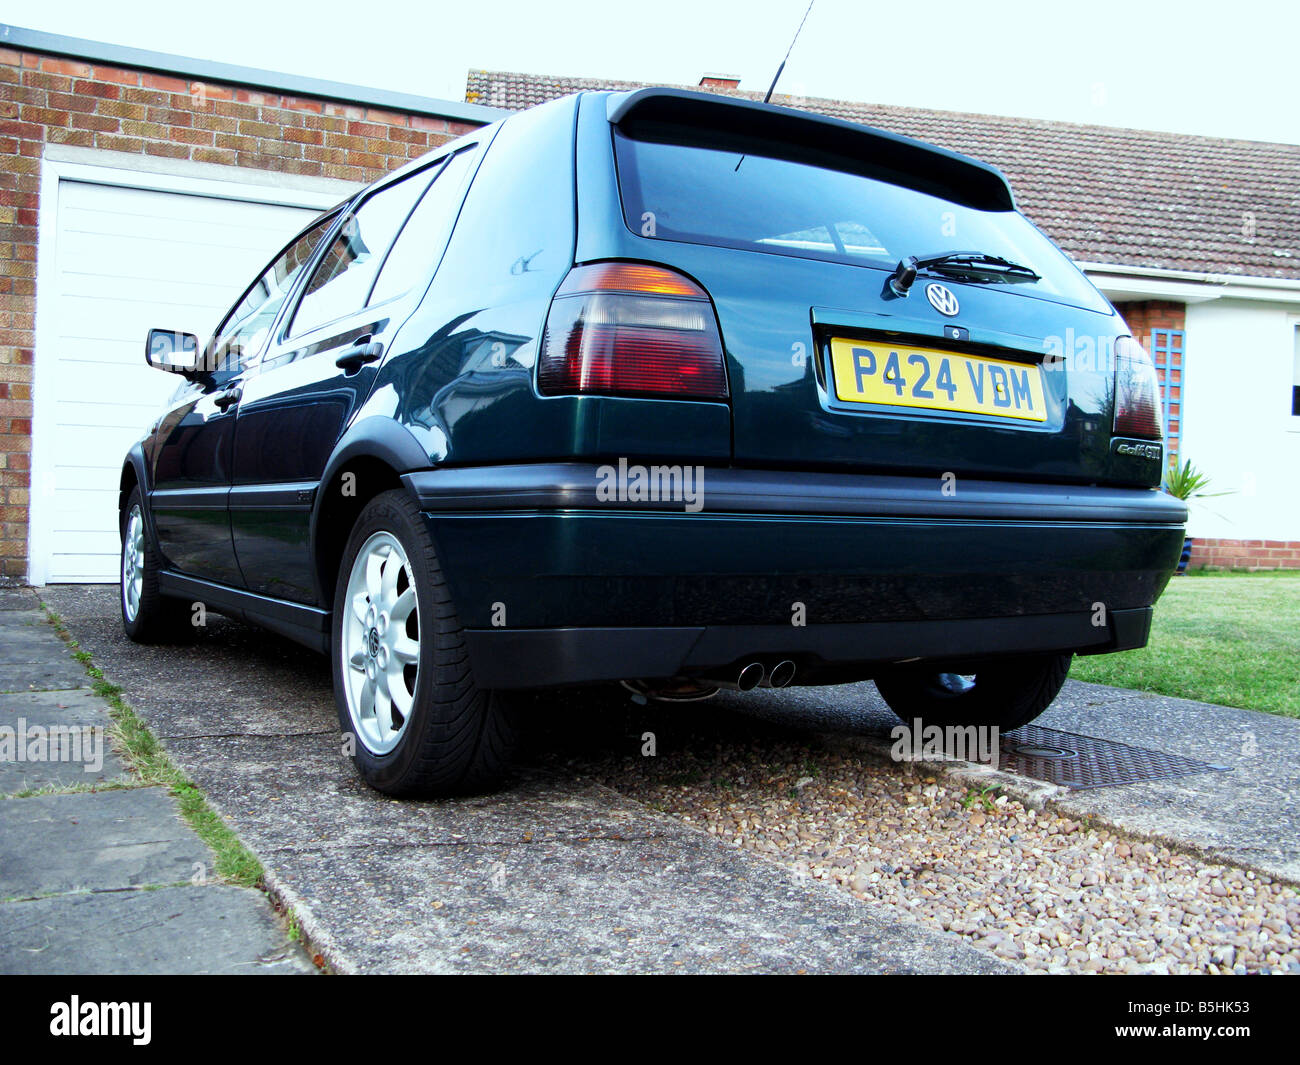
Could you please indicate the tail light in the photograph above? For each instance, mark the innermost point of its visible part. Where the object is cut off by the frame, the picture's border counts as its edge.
(632, 329)
(1137, 392)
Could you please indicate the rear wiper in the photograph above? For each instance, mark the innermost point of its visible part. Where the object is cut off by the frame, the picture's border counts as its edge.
(969, 265)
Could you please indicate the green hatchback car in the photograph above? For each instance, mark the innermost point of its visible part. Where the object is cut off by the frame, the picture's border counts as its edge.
(664, 388)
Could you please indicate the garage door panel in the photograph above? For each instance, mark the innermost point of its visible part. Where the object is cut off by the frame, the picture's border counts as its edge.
(83, 569)
(80, 529)
(132, 417)
(130, 320)
(127, 259)
(148, 214)
(87, 198)
(75, 442)
(88, 478)
(156, 257)
(81, 353)
(135, 297)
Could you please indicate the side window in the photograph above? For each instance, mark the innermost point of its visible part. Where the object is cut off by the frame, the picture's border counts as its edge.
(343, 278)
(239, 340)
(425, 234)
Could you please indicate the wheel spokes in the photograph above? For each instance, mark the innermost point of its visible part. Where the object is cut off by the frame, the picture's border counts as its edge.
(377, 649)
(406, 651)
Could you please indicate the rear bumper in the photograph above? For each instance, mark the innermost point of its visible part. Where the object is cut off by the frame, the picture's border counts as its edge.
(839, 572)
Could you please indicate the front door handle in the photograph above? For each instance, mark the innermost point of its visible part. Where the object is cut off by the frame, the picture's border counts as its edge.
(359, 354)
(222, 400)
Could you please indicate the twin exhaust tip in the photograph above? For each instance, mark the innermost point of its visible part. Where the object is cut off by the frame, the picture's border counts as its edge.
(751, 676)
(756, 675)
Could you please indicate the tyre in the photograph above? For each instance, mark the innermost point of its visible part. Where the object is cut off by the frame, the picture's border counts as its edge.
(419, 725)
(1007, 693)
(147, 615)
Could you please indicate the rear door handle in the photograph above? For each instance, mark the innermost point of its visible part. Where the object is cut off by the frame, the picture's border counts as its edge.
(224, 399)
(364, 351)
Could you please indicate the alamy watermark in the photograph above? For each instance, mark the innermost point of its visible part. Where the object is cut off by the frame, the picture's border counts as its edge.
(628, 483)
(76, 1018)
(919, 742)
(53, 743)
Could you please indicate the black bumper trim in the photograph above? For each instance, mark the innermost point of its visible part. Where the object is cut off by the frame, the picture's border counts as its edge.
(573, 486)
(537, 658)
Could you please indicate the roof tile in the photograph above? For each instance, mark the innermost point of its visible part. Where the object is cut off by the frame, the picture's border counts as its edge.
(1126, 197)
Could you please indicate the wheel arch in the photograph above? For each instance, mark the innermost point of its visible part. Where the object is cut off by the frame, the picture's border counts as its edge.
(134, 475)
(375, 452)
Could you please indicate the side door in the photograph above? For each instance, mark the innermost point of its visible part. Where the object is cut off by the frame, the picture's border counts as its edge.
(191, 448)
(319, 370)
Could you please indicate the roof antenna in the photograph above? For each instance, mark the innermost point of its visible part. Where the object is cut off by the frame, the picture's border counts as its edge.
(772, 88)
(779, 69)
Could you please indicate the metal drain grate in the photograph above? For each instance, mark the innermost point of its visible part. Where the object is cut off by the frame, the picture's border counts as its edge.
(1087, 762)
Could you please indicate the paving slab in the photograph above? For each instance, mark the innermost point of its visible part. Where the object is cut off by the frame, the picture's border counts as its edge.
(32, 657)
(80, 872)
(73, 708)
(98, 766)
(56, 739)
(105, 841)
(19, 598)
(553, 875)
(213, 929)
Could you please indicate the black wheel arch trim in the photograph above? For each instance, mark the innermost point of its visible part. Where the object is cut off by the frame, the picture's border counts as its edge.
(376, 438)
(135, 461)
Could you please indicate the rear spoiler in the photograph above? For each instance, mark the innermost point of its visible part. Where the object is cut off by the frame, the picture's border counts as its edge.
(680, 116)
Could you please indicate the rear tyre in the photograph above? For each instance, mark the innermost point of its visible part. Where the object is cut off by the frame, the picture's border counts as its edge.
(402, 682)
(1006, 694)
(147, 615)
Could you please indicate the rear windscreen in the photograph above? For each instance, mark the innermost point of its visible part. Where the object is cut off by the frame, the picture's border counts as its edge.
(760, 203)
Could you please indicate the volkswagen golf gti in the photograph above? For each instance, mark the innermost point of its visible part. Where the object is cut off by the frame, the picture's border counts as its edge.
(668, 389)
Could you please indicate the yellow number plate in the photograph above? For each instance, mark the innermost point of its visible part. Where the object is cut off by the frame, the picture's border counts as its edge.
(896, 376)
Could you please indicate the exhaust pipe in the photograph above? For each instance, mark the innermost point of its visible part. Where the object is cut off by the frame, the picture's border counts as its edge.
(781, 675)
(749, 678)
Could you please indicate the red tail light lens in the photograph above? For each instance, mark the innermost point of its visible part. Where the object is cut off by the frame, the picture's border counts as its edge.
(632, 329)
(1137, 392)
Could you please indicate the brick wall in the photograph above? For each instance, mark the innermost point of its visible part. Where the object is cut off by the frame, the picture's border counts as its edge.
(1246, 554)
(1145, 318)
(50, 100)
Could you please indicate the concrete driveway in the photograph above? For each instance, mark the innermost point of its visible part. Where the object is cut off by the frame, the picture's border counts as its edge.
(563, 874)
(557, 874)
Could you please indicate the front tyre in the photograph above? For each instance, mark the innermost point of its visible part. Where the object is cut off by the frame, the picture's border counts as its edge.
(1007, 693)
(147, 615)
(402, 683)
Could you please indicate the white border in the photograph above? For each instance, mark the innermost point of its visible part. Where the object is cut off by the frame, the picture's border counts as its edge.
(60, 164)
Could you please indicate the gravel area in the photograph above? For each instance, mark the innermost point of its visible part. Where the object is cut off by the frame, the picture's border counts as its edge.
(1046, 891)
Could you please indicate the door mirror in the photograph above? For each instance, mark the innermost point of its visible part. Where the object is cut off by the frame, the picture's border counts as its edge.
(172, 351)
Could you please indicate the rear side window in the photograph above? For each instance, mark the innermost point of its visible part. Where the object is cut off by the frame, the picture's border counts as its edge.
(345, 274)
(705, 195)
(424, 236)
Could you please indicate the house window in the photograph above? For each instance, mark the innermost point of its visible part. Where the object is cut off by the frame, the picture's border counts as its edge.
(1167, 351)
(1295, 374)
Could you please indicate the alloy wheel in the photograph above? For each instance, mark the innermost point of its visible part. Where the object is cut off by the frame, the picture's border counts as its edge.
(380, 645)
(133, 563)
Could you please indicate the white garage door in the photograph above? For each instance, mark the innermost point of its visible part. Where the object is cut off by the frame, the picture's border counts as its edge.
(124, 260)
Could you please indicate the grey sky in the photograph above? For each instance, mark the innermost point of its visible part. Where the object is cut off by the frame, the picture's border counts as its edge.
(1224, 70)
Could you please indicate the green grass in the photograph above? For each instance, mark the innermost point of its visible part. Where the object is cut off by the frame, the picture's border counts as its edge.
(234, 863)
(1227, 638)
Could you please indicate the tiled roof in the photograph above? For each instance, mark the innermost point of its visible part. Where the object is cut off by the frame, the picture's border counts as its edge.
(1125, 197)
